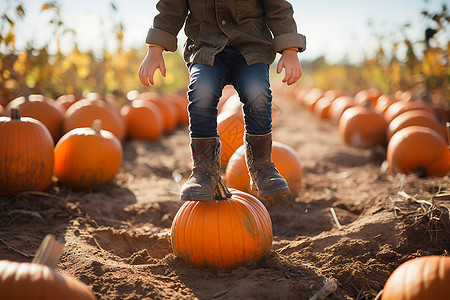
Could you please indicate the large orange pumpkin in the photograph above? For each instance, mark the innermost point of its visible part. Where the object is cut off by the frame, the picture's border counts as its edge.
(418, 149)
(86, 158)
(41, 108)
(416, 117)
(285, 159)
(38, 280)
(144, 120)
(26, 155)
(225, 233)
(421, 278)
(230, 127)
(82, 113)
(362, 126)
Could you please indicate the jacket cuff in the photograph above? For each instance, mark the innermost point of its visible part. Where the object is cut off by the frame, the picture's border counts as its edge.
(290, 40)
(163, 38)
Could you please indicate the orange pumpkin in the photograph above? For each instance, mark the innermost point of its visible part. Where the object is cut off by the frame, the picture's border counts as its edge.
(399, 107)
(285, 159)
(421, 278)
(230, 127)
(20, 281)
(362, 126)
(418, 149)
(338, 106)
(322, 107)
(168, 110)
(82, 113)
(225, 233)
(38, 280)
(144, 120)
(26, 155)
(181, 103)
(415, 118)
(43, 109)
(371, 94)
(310, 99)
(86, 158)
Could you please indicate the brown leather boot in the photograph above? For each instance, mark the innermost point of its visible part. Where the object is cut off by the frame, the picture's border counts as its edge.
(205, 154)
(264, 177)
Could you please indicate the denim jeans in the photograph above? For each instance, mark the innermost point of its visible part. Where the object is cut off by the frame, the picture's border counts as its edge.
(205, 89)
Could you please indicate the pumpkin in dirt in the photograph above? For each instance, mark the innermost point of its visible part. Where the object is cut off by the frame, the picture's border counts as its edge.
(86, 158)
(338, 106)
(26, 155)
(30, 281)
(420, 150)
(362, 127)
(285, 159)
(83, 112)
(168, 109)
(421, 278)
(225, 233)
(41, 108)
(415, 118)
(400, 107)
(144, 120)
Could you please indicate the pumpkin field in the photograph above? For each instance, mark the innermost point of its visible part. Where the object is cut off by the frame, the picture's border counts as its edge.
(92, 163)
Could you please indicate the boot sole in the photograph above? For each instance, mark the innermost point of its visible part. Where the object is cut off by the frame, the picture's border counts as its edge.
(274, 192)
(201, 197)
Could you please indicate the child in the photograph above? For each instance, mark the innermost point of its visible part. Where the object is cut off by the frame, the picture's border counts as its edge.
(228, 42)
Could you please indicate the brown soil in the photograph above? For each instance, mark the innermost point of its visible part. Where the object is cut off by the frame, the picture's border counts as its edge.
(117, 237)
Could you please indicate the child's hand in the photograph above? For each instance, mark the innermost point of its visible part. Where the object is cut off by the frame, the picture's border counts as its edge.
(291, 64)
(152, 61)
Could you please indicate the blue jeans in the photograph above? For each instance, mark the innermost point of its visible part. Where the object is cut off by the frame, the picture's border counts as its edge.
(205, 89)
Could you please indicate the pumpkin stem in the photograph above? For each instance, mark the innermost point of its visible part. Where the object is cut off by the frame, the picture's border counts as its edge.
(420, 172)
(49, 252)
(367, 103)
(15, 114)
(221, 192)
(97, 125)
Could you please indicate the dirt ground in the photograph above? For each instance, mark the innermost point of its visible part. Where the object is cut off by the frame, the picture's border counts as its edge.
(117, 236)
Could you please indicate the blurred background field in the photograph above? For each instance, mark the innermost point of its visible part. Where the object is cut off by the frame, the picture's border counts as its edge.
(66, 47)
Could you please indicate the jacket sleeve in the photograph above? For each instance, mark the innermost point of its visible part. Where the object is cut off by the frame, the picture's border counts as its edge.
(280, 19)
(167, 23)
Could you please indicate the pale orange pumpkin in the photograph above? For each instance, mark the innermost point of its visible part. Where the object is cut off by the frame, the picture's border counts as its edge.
(416, 117)
(285, 159)
(181, 103)
(399, 107)
(83, 112)
(230, 127)
(41, 108)
(420, 150)
(86, 158)
(26, 155)
(423, 278)
(371, 94)
(362, 126)
(338, 106)
(233, 230)
(144, 120)
(168, 110)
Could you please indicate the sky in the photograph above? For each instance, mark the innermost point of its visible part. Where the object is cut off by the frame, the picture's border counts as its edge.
(337, 30)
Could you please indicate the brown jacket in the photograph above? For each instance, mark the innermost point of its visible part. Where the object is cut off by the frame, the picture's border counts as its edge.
(257, 28)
